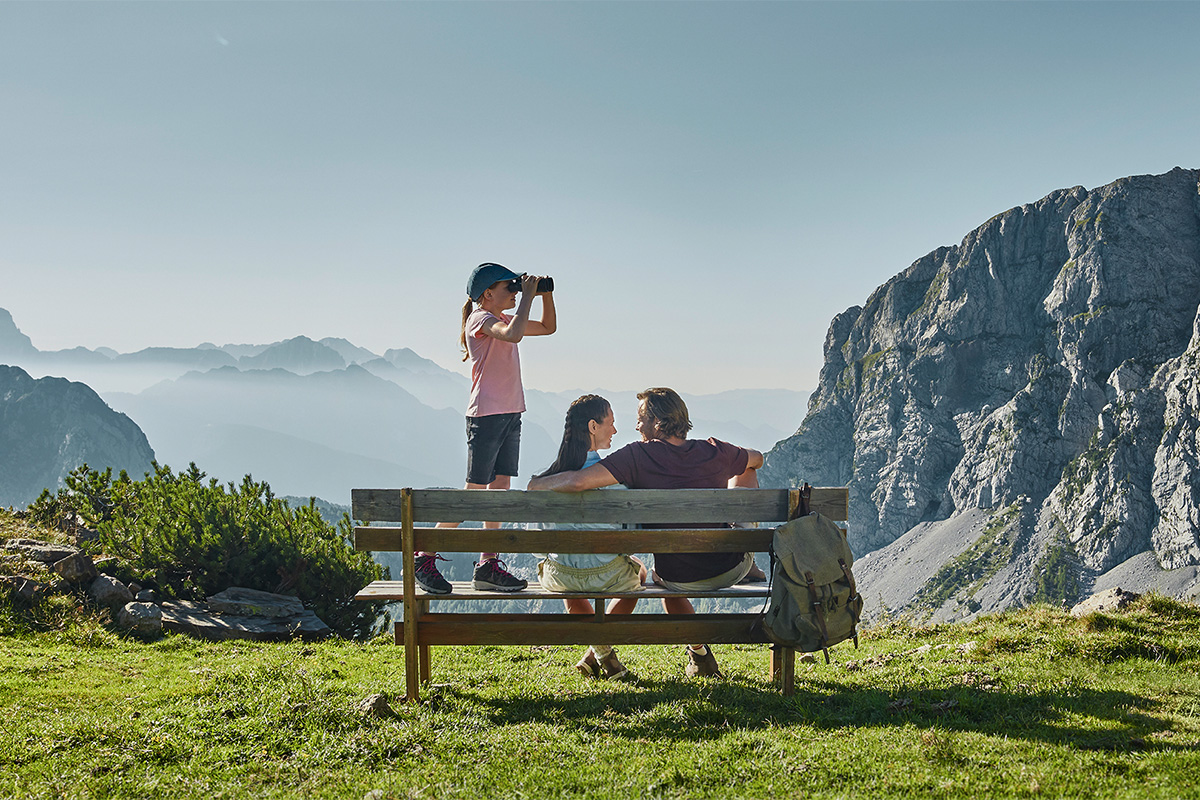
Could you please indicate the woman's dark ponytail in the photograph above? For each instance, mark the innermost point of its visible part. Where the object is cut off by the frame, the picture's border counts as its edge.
(577, 436)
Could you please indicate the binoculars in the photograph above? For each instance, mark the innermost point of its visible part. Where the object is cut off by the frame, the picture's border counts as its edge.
(544, 285)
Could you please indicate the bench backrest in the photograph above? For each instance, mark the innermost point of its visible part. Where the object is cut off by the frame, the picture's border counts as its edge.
(713, 507)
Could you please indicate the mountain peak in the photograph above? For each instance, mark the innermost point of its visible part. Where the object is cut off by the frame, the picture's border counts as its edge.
(1046, 363)
(299, 354)
(12, 341)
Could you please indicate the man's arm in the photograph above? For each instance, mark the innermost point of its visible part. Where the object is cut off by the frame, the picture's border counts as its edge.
(749, 478)
(594, 477)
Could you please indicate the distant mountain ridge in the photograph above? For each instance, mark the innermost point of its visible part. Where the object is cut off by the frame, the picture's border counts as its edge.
(321, 417)
(1044, 372)
(51, 426)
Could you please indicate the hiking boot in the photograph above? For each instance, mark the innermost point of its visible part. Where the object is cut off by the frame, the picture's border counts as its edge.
(588, 666)
(702, 664)
(614, 670)
(427, 575)
(608, 668)
(491, 575)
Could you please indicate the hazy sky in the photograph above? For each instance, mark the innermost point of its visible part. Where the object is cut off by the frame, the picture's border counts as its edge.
(709, 183)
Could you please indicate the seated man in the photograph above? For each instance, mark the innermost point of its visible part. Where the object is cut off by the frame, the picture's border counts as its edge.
(665, 459)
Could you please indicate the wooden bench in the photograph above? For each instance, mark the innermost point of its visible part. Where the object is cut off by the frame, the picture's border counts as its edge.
(421, 628)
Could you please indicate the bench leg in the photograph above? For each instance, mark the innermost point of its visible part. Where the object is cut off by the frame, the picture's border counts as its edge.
(416, 655)
(423, 607)
(783, 668)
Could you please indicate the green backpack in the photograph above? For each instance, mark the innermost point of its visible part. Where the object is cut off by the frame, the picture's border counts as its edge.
(814, 603)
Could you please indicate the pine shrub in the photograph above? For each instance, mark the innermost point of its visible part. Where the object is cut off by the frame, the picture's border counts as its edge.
(188, 537)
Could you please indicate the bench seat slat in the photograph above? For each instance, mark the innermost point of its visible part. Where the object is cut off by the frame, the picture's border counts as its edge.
(520, 540)
(533, 629)
(393, 591)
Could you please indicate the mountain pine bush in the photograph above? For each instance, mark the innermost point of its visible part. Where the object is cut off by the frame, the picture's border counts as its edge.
(188, 538)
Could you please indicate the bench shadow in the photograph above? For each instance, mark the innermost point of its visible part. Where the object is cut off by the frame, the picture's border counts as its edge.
(696, 711)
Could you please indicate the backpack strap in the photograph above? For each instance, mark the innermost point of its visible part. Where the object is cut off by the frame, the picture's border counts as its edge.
(849, 580)
(853, 595)
(799, 502)
(820, 611)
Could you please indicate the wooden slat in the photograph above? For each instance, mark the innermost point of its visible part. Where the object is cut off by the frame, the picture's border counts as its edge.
(670, 506)
(519, 540)
(530, 629)
(392, 591)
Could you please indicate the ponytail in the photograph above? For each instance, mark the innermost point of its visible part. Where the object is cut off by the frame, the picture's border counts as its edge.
(462, 336)
(577, 439)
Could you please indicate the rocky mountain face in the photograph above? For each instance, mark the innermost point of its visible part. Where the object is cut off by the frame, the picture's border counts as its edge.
(50, 426)
(12, 341)
(1030, 396)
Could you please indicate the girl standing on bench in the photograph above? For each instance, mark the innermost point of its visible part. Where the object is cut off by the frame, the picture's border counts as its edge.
(590, 427)
(489, 341)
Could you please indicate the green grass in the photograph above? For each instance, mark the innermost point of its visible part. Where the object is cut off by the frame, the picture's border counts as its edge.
(1025, 704)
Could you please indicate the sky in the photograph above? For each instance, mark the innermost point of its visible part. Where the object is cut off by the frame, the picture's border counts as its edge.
(708, 183)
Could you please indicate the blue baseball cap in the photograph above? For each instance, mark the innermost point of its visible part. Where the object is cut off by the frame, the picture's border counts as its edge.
(485, 275)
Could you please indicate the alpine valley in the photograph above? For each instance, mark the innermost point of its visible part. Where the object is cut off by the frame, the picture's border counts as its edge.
(1017, 416)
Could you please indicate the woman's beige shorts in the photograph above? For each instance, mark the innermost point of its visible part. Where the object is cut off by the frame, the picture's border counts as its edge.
(618, 575)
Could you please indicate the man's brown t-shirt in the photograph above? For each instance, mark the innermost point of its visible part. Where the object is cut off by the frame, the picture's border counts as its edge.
(695, 464)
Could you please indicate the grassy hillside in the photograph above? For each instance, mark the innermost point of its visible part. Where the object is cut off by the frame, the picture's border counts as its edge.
(1032, 703)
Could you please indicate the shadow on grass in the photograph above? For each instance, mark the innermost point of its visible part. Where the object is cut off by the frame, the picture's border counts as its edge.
(698, 711)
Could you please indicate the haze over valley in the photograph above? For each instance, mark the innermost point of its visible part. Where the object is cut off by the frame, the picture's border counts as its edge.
(318, 418)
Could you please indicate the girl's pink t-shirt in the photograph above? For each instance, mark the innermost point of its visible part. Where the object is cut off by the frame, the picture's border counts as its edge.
(495, 370)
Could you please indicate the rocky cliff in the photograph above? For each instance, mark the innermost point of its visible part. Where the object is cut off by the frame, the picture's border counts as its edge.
(50, 426)
(1043, 371)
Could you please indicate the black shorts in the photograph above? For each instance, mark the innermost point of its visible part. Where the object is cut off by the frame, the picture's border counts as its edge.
(493, 447)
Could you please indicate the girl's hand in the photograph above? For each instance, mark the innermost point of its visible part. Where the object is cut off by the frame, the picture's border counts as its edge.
(529, 284)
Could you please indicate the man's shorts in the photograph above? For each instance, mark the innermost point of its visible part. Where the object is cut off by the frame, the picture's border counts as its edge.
(725, 579)
(493, 447)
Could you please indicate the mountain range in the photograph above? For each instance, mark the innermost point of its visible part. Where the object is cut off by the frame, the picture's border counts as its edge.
(50, 426)
(318, 418)
(1018, 416)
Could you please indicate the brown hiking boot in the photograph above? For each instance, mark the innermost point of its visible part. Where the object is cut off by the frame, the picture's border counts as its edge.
(614, 670)
(588, 666)
(702, 664)
(608, 668)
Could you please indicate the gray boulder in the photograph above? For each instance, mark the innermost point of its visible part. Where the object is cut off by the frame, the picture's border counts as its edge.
(252, 602)
(141, 617)
(41, 551)
(108, 591)
(77, 568)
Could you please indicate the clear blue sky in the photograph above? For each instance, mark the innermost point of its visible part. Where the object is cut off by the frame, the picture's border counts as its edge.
(709, 183)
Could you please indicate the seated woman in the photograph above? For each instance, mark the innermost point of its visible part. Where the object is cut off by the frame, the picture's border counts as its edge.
(590, 427)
